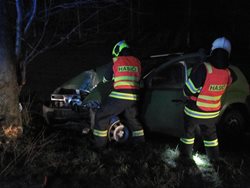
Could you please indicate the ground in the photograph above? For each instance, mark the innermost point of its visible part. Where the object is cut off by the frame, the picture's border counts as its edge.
(47, 156)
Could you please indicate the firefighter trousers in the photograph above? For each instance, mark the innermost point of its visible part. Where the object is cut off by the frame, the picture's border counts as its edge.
(208, 133)
(115, 107)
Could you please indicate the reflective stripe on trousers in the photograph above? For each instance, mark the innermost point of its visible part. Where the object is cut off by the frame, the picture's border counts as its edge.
(138, 133)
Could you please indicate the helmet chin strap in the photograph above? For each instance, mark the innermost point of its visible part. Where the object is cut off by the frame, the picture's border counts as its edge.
(114, 59)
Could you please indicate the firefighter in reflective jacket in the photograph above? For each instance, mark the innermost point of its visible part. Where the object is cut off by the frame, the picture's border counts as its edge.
(123, 98)
(204, 88)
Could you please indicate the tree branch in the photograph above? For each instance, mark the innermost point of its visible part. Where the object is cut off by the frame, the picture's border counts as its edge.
(19, 32)
(33, 13)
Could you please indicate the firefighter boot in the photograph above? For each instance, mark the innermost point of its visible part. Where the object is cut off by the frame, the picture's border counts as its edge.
(213, 153)
(97, 144)
(186, 150)
(138, 140)
(185, 158)
(215, 159)
(138, 143)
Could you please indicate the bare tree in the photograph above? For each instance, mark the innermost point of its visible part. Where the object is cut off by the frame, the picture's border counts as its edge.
(57, 23)
(10, 117)
(38, 27)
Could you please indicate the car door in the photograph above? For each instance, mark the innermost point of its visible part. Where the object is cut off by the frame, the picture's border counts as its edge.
(163, 99)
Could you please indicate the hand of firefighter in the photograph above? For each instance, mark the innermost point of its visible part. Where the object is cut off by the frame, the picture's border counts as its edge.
(75, 105)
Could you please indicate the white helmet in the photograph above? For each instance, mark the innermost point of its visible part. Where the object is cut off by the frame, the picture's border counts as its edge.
(223, 43)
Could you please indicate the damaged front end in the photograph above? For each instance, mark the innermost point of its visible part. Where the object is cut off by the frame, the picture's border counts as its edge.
(60, 108)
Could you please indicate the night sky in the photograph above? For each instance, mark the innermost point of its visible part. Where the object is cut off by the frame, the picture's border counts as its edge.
(177, 24)
(205, 20)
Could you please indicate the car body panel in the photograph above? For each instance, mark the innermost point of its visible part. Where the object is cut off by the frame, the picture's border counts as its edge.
(237, 92)
(161, 114)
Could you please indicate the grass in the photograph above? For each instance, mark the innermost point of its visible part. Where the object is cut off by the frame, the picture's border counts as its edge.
(47, 157)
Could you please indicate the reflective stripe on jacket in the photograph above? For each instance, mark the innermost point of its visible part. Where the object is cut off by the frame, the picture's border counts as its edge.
(125, 96)
(200, 115)
(217, 80)
(127, 72)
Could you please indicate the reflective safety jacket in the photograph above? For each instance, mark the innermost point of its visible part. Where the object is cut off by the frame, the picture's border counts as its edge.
(214, 87)
(127, 73)
(207, 96)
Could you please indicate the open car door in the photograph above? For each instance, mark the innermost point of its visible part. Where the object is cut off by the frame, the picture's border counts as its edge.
(163, 100)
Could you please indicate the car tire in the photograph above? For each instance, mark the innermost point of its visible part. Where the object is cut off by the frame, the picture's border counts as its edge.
(231, 125)
(115, 130)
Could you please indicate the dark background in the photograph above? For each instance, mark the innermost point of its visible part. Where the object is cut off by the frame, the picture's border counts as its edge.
(90, 29)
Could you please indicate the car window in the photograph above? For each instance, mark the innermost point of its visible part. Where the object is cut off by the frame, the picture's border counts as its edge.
(170, 77)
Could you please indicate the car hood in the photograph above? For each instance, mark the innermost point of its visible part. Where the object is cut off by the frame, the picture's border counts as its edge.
(85, 81)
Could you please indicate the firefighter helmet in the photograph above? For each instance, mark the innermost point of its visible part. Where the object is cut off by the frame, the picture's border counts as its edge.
(223, 43)
(119, 47)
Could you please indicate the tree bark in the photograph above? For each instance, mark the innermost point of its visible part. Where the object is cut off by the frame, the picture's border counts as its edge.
(10, 116)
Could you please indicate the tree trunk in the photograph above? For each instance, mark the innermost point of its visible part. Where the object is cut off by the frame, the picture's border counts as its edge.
(10, 116)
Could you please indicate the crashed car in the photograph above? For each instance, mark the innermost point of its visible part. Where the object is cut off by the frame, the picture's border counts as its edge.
(162, 100)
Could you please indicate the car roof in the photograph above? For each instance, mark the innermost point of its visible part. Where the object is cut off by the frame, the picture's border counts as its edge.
(162, 60)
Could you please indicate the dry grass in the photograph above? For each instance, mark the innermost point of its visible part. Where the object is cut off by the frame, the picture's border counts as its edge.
(58, 158)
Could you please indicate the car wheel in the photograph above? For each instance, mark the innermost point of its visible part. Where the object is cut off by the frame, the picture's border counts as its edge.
(232, 124)
(118, 132)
